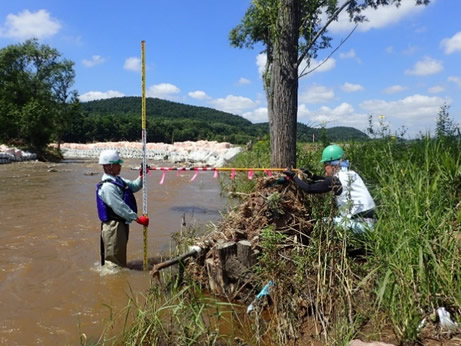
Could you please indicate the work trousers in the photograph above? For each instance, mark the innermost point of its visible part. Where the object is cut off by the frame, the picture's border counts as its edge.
(358, 225)
(114, 239)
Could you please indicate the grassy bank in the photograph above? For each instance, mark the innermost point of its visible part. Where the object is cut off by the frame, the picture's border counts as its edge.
(338, 286)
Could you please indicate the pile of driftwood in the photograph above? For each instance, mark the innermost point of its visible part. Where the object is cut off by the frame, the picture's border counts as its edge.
(225, 263)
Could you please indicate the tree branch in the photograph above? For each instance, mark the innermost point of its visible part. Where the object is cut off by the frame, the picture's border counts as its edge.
(329, 55)
(306, 19)
(321, 31)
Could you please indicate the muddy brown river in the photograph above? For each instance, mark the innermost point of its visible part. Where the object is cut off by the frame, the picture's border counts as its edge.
(52, 288)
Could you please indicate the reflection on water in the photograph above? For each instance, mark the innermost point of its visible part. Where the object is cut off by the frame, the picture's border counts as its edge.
(50, 279)
(194, 210)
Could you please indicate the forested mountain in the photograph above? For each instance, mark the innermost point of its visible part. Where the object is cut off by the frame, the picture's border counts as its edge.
(158, 108)
(304, 133)
(119, 118)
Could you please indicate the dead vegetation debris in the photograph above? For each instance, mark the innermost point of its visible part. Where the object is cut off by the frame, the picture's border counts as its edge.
(276, 203)
(225, 266)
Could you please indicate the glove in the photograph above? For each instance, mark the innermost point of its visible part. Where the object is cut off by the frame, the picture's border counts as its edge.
(143, 220)
(289, 173)
(147, 170)
(307, 172)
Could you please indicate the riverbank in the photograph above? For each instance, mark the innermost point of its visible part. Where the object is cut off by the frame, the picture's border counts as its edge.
(202, 153)
(12, 154)
(199, 153)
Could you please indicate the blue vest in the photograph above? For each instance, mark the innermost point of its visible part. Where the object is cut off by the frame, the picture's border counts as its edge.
(104, 211)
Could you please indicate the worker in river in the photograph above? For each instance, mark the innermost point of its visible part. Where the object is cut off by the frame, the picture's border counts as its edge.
(116, 208)
(355, 204)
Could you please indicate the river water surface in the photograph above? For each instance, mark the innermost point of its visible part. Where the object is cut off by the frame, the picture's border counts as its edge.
(52, 287)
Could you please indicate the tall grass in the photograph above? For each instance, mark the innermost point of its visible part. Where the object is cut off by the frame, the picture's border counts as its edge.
(179, 316)
(416, 245)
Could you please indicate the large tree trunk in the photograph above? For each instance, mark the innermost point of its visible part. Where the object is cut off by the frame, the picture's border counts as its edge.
(283, 91)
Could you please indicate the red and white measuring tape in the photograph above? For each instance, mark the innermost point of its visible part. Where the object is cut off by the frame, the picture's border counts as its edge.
(196, 171)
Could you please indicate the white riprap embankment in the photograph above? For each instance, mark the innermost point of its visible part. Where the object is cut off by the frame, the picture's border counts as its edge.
(9, 154)
(209, 153)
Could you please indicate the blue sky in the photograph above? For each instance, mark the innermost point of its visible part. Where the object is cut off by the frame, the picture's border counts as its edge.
(404, 63)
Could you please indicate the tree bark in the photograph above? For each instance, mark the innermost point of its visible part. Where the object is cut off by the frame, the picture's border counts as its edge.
(283, 92)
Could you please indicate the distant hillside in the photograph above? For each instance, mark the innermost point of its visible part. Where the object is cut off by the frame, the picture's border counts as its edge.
(339, 133)
(333, 134)
(119, 119)
(161, 109)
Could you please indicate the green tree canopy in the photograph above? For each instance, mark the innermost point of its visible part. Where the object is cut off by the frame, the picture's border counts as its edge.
(35, 84)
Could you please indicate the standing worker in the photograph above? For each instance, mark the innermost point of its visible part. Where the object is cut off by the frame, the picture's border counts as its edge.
(355, 204)
(116, 208)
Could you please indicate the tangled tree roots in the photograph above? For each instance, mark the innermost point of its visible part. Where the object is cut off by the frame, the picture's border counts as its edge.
(233, 247)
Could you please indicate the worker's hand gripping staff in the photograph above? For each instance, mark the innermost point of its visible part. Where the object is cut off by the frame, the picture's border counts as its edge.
(143, 220)
(289, 173)
(148, 169)
(292, 173)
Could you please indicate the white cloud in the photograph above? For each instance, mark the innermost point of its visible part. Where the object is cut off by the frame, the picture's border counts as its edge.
(394, 89)
(99, 95)
(233, 104)
(417, 113)
(343, 109)
(379, 18)
(199, 95)
(452, 44)
(342, 115)
(165, 91)
(243, 81)
(425, 67)
(132, 64)
(348, 55)
(410, 50)
(317, 66)
(389, 50)
(28, 24)
(95, 60)
(349, 87)
(436, 89)
(303, 112)
(415, 110)
(455, 80)
(261, 62)
(317, 94)
(259, 115)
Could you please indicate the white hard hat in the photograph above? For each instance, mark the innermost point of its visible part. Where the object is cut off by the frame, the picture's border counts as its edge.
(109, 156)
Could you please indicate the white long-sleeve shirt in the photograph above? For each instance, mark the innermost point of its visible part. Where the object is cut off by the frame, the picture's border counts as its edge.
(355, 197)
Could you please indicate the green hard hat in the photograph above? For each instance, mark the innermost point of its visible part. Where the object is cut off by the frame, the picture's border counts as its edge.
(331, 153)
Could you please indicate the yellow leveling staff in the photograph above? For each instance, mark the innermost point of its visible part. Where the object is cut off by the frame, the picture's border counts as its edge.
(144, 162)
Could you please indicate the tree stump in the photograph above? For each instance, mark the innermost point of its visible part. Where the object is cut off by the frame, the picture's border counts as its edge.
(245, 253)
(228, 267)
